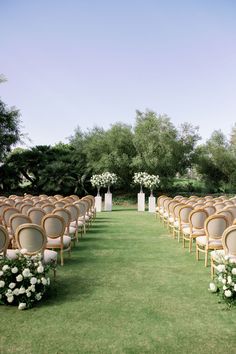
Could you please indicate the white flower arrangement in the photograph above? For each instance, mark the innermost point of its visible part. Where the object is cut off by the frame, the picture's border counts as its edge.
(105, 179)
(225, 283)
(144, 179)
(23, 281)
(151, 182)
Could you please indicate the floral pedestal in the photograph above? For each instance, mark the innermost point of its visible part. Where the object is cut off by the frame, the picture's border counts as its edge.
(141, 201)
(108, 202)
(151, 204)
(98, 203)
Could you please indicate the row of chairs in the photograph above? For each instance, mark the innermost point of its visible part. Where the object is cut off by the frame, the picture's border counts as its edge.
(61, 223)
(211, 222)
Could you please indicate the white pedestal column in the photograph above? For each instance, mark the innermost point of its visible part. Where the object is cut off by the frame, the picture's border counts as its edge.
(98, 203)
(152, 204)
(108, 202)
(141, 201)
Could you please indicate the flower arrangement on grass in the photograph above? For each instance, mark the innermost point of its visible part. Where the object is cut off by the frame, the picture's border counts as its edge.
(23, 281)
(109, 179)
(97, 181)
(225, 283)
(151, 182)
(139, 178)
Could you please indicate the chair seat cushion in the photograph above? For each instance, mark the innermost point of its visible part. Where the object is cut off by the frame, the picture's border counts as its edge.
(202, 241)
(56, 242)
(219, 254)
(49, 256)
(195, 232)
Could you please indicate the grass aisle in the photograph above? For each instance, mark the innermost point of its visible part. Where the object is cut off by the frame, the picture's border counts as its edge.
(128, 288)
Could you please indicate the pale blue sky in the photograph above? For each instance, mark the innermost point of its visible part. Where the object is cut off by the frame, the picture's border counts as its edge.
(87, 63)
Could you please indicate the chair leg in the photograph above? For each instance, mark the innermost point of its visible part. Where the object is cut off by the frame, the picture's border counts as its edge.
(206, 257)
(62, 259)
(197, 253)
(190, 244)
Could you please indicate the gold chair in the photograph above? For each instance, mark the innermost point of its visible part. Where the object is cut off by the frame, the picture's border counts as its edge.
(214, 228)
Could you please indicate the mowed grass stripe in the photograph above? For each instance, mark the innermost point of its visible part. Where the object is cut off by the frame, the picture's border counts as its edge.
(128, 288)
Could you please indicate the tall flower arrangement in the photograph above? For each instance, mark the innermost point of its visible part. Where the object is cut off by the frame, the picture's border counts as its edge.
(105, 179)
(225, 283)
(109, 179)
(151, 182)
(139, 178)
(97, 181)
(23, 281)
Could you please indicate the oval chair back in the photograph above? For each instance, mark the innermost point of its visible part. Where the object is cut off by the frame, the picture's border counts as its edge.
(232, 208)
(65, 214)
(219, 206)
(229, 241)
(25, 207)
(7, 213)
(32, 238)
(228, 214)
(210, 209)
(215, 226)
(54, 225)
(36, 215)
(197, 218)
(48, 208)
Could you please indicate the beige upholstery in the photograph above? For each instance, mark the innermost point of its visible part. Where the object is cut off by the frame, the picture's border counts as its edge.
(197, 219)
(36, 215)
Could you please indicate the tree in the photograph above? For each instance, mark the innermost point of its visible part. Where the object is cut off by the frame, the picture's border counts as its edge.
(9, 127)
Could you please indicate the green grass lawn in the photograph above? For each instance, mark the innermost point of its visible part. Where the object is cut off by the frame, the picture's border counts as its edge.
(128, 288)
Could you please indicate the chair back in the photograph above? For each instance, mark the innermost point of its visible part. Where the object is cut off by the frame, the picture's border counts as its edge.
(227, 214)
(74, 211)
(17, 220)
(219, 206)
(31, 237)
(25, 207)
(36, 215)
(4, 240)
(65, 214)
(229, 241)
(184, 212)
(48, 208)
(215, 226)
(232, 208)
(197, 218)
(210, 209)
(54, 225)
(59, 204)
(82, 207)
(7, 213)
(3, 206)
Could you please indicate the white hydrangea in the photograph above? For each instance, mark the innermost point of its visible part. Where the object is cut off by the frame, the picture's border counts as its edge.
(22, 306)
(33, 280)
(109, 179)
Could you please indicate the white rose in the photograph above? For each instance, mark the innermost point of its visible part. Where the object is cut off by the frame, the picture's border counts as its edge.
(32, 288)
(19, 277)
(5, 267)
(38, 296)
(212, 287)
(16, 291)
(10, 298)
(14, 270)
(33, 280)
(22, 306)
(26, 273)
(228, 293)
(44, 281)
(23, 251)
(225, 287)
(40, 269)
(28, 293)
(221, 268)
(234, 287)
(223, 281)
(234, 271)
(1, 273)
(226, 257)
(229, 279)
(12, 285)
(22, 290)
(2, 283)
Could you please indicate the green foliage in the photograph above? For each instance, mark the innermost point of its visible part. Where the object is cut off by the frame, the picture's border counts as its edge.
(9, 129)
